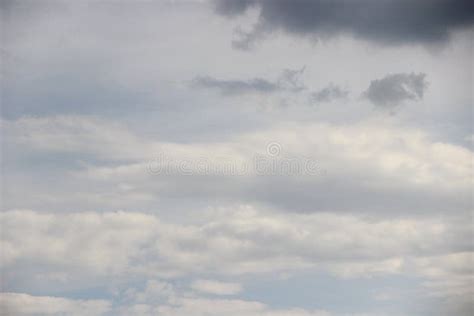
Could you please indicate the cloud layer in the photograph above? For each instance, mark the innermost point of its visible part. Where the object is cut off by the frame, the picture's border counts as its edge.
(401, 171)
(149, 168)
(231, 242)
(234, 241)
(385, 22)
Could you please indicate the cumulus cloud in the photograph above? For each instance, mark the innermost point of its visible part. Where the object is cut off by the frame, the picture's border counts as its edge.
(239, 241)
(21, 304)
(214, 307)
(235, 241)
(289, 80)
(386, 22)
(380, 169)
(181, 303)
(449, 277)
(216, 287)
(329, 93)
(395, 89)
(72, 134)
(156, 303)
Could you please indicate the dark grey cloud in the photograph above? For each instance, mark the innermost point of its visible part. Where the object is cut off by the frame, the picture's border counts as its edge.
(289, 80)
(389, 22)
(395, 89)
(329, 93)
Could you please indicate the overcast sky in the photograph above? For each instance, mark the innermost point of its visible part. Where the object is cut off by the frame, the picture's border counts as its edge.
(237, 158)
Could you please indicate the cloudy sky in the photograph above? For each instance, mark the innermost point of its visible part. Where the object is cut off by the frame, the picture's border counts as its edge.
(236, 158)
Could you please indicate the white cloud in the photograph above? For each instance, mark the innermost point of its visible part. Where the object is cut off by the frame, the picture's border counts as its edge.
(449, 275)
(177, 302)
(158, 298)
(377, 166)
(216, 287)
(154, 291)
(214, 307)
(403, 154)
(20, 304)
(226, 242)
(75, 134)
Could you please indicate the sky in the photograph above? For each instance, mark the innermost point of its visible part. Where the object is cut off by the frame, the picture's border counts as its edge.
(236, 158)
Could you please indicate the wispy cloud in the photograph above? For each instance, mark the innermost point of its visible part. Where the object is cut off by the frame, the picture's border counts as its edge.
(289, 80)
(330, 93)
